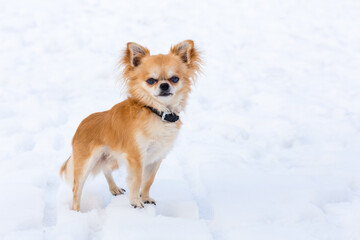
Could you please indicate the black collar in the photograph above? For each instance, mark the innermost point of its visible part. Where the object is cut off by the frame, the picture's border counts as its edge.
(165, 116)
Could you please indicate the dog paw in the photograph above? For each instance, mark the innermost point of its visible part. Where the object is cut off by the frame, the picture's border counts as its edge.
(76, 207)
(149, 200)
(137, 203)
(117, 191)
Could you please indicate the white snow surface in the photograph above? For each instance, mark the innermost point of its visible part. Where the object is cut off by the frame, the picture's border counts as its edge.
(270, 144)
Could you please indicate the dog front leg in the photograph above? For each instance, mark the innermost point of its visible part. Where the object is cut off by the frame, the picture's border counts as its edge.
(134, 182)
(148, 179)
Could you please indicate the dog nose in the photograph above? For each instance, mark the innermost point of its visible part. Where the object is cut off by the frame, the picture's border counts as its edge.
(164, 86)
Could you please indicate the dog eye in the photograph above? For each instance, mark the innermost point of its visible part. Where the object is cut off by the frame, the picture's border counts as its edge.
(174, 79)
(151, 81)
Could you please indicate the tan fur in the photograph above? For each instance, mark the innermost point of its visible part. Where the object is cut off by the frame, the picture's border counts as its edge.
(63, 167)
(129, 132)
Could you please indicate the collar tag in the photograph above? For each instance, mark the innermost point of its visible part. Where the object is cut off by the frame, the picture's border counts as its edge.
(163, 115)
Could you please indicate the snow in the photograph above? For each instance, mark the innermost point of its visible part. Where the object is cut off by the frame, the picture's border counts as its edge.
(270, 144)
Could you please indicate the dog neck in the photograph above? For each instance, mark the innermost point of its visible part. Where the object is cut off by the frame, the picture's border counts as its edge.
(168, 116)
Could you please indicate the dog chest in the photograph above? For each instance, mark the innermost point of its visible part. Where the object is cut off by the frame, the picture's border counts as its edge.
(157, 142)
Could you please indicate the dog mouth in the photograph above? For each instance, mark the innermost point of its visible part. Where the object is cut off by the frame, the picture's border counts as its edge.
(165, 94)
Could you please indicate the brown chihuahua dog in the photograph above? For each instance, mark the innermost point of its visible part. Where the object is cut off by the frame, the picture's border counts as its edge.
(139, 131)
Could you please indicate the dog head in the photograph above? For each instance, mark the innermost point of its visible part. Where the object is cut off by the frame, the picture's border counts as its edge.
(161, 81)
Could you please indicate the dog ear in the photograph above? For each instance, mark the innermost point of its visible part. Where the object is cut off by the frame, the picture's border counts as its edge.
(134, 53)
(187, 53)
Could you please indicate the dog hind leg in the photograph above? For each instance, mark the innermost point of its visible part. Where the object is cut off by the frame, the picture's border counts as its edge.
(114, 189)
(82, 170)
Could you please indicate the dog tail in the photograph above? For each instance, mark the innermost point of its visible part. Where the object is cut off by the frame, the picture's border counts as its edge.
(67, 169)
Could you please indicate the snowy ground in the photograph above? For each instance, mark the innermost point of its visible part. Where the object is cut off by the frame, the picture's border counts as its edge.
(270, 145)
